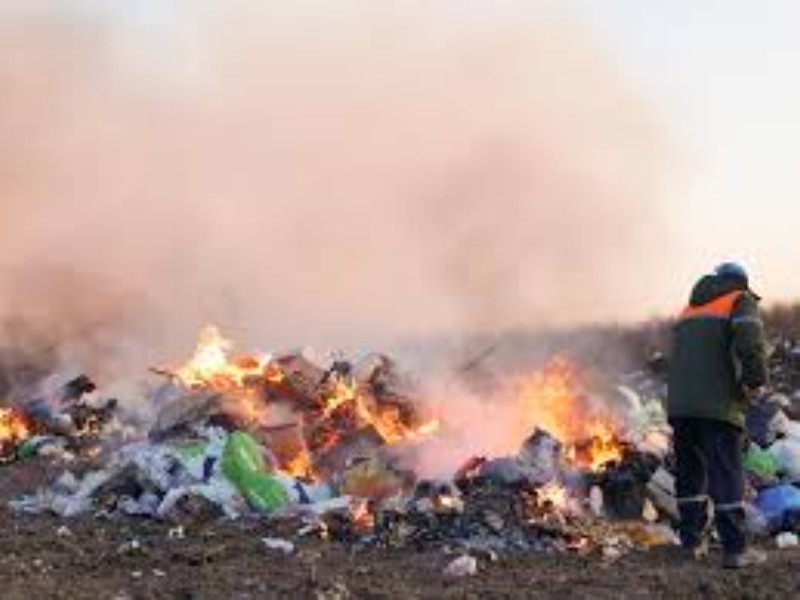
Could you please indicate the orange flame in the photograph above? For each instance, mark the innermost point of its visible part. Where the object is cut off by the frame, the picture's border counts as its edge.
(344, 392)
(387, 420)
(300, 466)
(343, 403)
(13, 427)
(556, 401)
(604, 445)
(211, 365)
(362, 517)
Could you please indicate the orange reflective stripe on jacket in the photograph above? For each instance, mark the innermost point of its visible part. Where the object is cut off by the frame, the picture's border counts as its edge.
(721, 308)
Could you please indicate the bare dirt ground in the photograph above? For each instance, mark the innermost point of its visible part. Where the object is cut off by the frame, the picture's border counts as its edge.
(44, 557)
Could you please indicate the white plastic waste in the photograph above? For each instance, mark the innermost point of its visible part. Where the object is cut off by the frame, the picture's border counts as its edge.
(611, 553)
(463, 566)
(647, 426)
(787, 452)
(60, 501)
(67, 482)
(596, 501)
(787, 539)
(144, 506)
(539, 459)
(197, 463)
(218, 490)
(64, 532)
(303, 493)
(755, 521)
(279, 545)
(338, 504)
(784, 425)
(661, 492)
(156, 464)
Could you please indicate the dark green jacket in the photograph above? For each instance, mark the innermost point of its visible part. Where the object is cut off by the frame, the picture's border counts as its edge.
(719, 349)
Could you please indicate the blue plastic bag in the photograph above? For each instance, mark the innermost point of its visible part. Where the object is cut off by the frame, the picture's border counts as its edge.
(777, 503)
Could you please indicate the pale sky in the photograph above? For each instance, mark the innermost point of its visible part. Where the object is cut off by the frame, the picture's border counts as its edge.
(723, 74)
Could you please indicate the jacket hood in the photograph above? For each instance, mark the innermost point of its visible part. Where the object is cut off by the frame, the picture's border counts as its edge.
(711, 287)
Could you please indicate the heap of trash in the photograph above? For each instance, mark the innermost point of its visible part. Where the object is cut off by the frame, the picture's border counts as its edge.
(327, 450)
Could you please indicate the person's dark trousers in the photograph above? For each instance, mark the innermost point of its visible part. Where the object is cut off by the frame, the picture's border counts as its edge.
(708, 457)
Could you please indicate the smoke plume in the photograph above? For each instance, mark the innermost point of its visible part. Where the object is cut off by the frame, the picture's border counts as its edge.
(346, 174)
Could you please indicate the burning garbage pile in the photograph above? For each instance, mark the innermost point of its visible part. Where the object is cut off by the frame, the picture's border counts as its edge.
(330, 451)
(63, 422)
(312, 419)
(249, 432)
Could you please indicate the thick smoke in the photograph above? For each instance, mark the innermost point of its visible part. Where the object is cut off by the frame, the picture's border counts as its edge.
(338, 175)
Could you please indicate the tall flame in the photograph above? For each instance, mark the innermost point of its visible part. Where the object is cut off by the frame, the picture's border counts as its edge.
(212, 366)
(555, 399)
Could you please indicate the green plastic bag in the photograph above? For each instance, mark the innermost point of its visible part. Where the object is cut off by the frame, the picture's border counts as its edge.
(243, 465)
(760, 462)
(263, 492)
(242, 456)
(31, 446)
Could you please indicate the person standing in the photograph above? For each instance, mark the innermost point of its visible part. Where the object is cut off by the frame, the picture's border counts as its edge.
(717, 366)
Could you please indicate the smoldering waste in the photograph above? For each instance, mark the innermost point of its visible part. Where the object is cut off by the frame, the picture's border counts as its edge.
(330, 449)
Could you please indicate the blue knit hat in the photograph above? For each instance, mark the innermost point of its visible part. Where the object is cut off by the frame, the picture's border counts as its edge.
(735, 271)
(731, 269)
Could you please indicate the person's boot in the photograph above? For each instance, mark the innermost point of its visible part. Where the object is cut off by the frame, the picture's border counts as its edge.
(741, 560)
